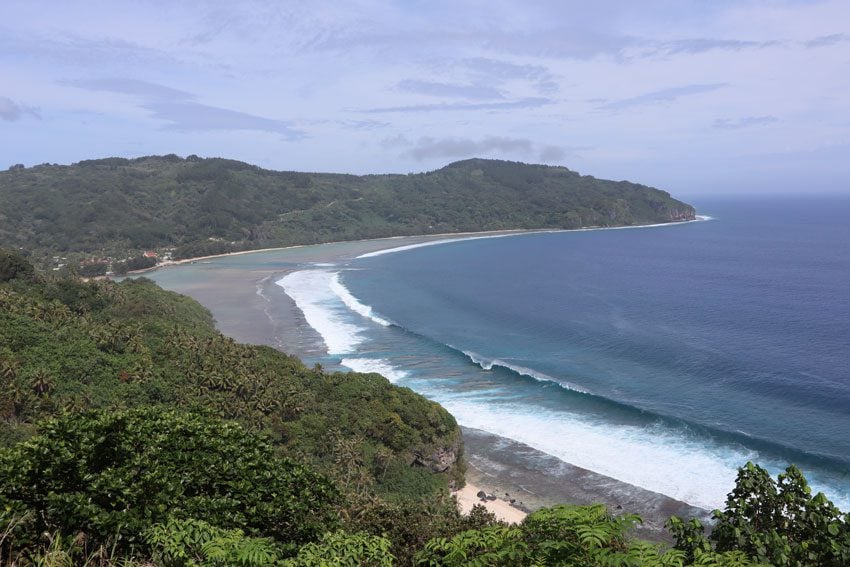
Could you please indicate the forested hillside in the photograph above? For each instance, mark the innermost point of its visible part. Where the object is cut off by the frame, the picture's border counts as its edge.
(67, 345)
(133, 433)
(148, 360)
(117, 208)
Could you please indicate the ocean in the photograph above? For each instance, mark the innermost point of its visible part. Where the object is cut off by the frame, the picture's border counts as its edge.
(663, 357)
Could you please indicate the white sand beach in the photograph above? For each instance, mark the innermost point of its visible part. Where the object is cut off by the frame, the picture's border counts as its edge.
(467, 497)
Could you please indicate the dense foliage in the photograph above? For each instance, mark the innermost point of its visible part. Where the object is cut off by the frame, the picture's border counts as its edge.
(115, 474)
(580, 536)
(117, 207)
(67, 345)
(777, 522)
(132, 432)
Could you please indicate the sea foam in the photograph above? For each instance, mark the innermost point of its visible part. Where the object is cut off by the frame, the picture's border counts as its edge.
(655, 457)
(424, 244)
(352, 303)
(382, 367)
(652, 458)
(321, 306)
(698, 218)
(487, 364)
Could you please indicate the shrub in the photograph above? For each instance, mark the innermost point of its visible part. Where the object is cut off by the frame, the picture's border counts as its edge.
(115, 474)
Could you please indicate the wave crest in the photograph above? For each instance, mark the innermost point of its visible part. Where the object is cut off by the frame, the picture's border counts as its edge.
(375, 365)
(486, 364)
(352, 302)
(311, 292)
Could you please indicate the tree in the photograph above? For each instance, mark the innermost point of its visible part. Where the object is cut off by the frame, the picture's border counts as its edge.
(775, 522)
(115, 474)
(343, 550)
(92, 269)
(192, 543)
(14, 266)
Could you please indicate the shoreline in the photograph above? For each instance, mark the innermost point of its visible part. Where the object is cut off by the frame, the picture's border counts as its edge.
(468, 496)
(425, 238)
(235, 288)
(513, 470)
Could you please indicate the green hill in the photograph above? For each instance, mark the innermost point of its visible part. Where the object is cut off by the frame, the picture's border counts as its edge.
(108, 358)
(117, 207)
(67, 345)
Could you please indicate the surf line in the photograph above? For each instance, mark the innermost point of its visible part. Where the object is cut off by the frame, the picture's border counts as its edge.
(699, 218)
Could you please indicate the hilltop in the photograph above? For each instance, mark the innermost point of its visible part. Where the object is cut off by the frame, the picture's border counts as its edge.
(116, 208)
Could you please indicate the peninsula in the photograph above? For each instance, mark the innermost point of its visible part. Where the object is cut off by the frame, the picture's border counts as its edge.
(104, 215)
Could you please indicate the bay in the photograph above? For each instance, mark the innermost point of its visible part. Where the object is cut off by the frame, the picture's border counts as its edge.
(662, 357)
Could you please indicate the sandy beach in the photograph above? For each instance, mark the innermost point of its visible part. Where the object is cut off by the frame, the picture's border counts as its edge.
(235, 289)
(467, 497)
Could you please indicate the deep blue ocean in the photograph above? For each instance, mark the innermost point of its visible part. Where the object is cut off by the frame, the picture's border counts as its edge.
(663, 357)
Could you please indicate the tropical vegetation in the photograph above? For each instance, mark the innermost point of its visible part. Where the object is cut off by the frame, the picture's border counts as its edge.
(133, 433)
(98, 213)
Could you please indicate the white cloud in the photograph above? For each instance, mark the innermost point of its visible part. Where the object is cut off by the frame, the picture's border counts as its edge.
(11, 111)
(747, 121)
(669, 94)
(637, 82)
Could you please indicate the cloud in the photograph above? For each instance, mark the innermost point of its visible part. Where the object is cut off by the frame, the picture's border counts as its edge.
(531, 102)
(10, 111)
(130, 87)
(395, 142)
(363, 125)
(186, 116)
(496, 71)
(504, 70)
(562, 42)
(552, 154)
(459, 147)
(554, 41)
(826, 40)
(730, 124)
(475, 92)
(587, 45)
(573, 43)
(428, 148)
(74, 50)
(182, 112)
(660, 96)
(701, 45)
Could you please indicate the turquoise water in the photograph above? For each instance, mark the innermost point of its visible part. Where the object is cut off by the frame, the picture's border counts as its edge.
(663, 357)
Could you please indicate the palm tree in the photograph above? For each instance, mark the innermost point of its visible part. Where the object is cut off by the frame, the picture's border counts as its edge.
(8, 368)
(42, 382)
(136, 344)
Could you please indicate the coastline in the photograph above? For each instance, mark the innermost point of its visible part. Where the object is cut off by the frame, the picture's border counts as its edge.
(234, 287)
(467, 497)
(420, 239)
(534, 480)
(424, 238)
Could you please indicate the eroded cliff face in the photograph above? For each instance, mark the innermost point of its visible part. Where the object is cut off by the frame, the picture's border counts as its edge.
(440, 459)
(443, 458)
(622, 214)
(681, 214)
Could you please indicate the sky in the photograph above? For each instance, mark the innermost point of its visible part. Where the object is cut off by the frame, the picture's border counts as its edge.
(694, 97)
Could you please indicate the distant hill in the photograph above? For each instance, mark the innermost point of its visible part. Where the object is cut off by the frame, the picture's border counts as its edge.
(117, 207)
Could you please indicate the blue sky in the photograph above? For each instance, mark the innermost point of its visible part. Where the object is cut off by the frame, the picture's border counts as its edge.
(693, 97)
